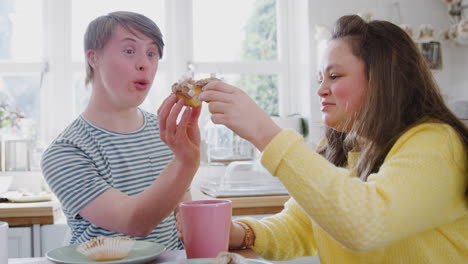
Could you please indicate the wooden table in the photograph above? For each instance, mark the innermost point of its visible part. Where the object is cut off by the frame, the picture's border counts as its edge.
(44, 213)
(40, 213)
(253, 205)
(173, 255)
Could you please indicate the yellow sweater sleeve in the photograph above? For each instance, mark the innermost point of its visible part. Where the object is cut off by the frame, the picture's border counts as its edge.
(286, 235)
(420, 185)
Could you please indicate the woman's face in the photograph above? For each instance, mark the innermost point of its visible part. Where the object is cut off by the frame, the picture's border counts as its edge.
(343, 81)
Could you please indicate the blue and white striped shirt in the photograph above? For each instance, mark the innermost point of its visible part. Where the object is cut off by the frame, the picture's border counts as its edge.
(85, 161)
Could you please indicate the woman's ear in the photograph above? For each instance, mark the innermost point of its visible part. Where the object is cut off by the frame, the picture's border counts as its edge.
(91, 57)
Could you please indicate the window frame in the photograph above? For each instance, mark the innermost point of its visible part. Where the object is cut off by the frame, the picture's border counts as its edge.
(293, 35)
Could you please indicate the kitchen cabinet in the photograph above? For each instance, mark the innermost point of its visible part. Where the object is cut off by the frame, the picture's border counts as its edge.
(24, 242)
(25, 221)
(54, 236)
(20, 242)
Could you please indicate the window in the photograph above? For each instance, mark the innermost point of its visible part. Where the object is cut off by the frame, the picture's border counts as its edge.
(21, 25)
(244, 36)
(240, 30)
(257, 45)
(21, 54)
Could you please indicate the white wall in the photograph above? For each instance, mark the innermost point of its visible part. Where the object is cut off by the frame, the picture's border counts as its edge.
(452, 79)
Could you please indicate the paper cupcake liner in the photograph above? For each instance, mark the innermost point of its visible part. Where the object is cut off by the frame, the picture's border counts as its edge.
(106, 248)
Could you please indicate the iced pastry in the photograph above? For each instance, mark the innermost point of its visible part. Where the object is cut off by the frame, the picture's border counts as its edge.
(188, 89)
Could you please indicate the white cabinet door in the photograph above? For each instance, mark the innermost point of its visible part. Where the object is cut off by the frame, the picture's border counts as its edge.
(54, 236)
(19, 242)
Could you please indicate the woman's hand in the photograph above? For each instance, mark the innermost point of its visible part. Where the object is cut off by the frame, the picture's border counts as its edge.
(183, 137)
(233, 108)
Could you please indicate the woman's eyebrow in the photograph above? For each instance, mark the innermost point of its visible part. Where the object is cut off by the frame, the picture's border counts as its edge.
(332, 66)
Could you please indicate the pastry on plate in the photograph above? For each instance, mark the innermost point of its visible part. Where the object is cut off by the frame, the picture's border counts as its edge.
(106, 248)
(188, 89)
(228, 258)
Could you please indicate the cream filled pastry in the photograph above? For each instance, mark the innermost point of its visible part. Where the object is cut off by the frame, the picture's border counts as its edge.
(188, 89)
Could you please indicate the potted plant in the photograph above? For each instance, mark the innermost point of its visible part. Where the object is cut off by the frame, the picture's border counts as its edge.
(9, 117)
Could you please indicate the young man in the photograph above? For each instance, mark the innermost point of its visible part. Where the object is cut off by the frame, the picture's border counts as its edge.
(118, 169)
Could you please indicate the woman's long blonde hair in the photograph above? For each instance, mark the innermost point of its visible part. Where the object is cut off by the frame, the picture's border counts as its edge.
(401, 92)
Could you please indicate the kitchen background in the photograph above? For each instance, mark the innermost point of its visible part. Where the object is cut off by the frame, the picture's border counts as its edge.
(268, 47)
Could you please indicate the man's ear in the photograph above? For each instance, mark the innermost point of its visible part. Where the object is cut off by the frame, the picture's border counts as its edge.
(91, 57)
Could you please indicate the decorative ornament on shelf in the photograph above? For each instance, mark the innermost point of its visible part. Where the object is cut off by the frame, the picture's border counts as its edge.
(427, 38)
(458, 32)
(458, 14)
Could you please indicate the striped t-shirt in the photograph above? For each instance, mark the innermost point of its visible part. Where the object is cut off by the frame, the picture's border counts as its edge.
(84, 161)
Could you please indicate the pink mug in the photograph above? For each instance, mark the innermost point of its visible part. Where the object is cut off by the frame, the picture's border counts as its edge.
(205, 225)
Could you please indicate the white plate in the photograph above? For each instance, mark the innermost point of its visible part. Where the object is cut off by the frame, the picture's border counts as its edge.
(142, 251)
(206, 260)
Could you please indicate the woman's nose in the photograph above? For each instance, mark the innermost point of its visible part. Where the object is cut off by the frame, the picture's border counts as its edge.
(323, 90)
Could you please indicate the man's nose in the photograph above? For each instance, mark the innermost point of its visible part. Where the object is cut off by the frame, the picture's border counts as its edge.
(142, 63)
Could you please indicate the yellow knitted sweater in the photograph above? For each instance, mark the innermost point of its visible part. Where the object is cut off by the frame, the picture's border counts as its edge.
(414, 210)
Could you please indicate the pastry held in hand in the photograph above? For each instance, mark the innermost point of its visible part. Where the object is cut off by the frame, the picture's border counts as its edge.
(106, 248)
(228, 258)
(188, 89)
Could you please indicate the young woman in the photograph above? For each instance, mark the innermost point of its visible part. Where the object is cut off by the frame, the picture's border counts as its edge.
(388, 183)
(119, 170)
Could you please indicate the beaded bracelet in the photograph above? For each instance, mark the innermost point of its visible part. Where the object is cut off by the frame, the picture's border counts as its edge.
(249, 237)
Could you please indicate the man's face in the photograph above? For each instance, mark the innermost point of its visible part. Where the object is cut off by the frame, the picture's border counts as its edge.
(125, 68)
